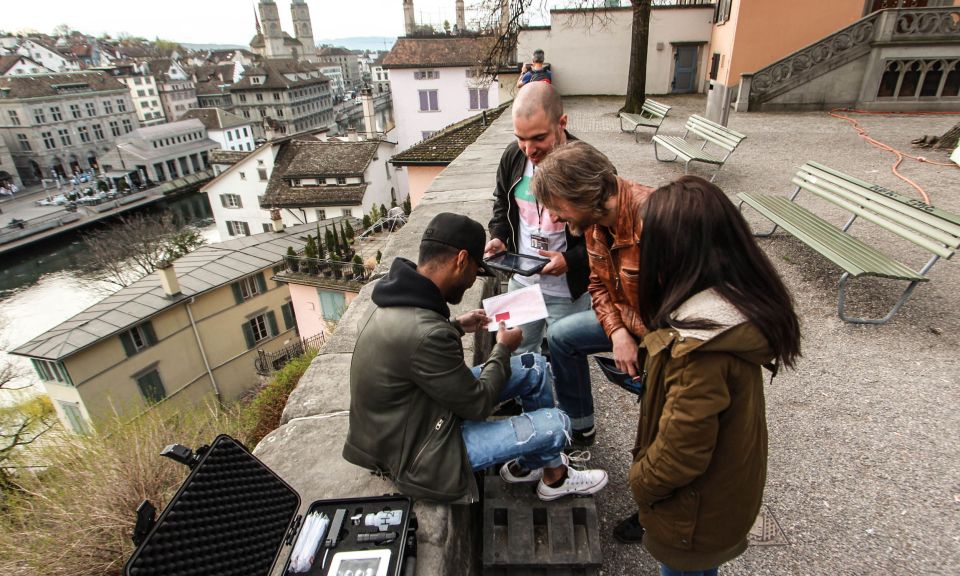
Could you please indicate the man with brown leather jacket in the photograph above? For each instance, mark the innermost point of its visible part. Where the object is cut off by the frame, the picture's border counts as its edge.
(581, 188)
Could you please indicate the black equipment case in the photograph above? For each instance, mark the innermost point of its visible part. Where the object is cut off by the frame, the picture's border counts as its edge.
(235, 516)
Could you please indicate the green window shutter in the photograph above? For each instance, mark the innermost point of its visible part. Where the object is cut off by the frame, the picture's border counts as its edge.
(289, 320)
(152, 387)
(66, 375)
(272, 320)
(248, 334)
(237, 295)
(127, 342)
(223, 200)
(261, 283)
(36, 366)
(148, 333)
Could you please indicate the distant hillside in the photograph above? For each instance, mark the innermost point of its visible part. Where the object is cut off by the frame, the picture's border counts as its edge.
(361, 42)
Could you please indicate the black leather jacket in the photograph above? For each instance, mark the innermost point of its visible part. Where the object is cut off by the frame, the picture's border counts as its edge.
(505, 223)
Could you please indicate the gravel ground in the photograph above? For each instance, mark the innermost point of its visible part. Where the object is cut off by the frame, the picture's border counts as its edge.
(863, 467)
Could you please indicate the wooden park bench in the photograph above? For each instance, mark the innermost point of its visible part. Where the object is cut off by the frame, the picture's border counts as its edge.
(709, 132)
(932, 229)
(651, 115)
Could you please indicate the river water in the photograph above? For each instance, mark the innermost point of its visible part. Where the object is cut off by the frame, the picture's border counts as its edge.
(50, 281)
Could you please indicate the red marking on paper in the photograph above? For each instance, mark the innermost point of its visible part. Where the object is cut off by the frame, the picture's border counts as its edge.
(501, 317)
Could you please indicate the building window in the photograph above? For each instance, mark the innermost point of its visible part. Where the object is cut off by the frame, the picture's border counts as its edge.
(64, 136)
(97, 132)
(262, 173)
(141, 93)
(121, 105)
(266, 228)
(426, 75)
(138, 338)
(276, 96)
(913, 79)
(321, 214)
(24, 142)
(48, 141)
(107, 107)
(259, 97)
(91, 109)
(14, 119)
(114, 127)
(341, 180)
(229, 136)
(332, 303)
(260, 328)
(243, 175)
(722, 13)
(38, 116)
(243, 97)
(347, 211)
(75, 110)
(151, 387)
(231, 201)
(72, 412)
(479, 99)
(427, 133)
(84, 134)
(51, 371)
(55, 114)
(237, 228)
(127, 126)
(428, 100)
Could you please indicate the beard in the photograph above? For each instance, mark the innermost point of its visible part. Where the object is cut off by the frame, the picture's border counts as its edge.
(455, 295)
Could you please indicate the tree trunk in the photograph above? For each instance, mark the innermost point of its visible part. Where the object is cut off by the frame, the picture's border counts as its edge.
(949, 140)
(637, 78)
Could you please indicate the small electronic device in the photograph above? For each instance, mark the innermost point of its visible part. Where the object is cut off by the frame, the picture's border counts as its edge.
(609, 368)
(383, 519)
(362, 562)
(517, 263)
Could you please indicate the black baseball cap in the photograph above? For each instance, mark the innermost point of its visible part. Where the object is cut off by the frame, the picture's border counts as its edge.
(462, 233)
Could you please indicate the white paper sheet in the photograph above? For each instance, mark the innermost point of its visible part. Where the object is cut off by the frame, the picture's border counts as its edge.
(515, 308)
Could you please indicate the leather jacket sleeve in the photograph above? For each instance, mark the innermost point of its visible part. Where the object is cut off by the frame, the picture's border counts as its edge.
(438, 369)
(687, 434)
(499, 225)
(603, 306)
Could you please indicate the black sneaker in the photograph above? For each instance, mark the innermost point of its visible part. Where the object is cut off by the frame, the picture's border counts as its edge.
(584, 438)
(629, 530)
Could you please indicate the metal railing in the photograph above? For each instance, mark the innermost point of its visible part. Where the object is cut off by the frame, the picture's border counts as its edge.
(269, 362)
(329, 269)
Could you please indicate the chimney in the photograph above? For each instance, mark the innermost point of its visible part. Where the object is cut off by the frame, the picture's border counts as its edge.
(168, 279)
(352, 134)
(369, 112)
(276, 220)
(409, 23)
(461, 24)
(504, 16)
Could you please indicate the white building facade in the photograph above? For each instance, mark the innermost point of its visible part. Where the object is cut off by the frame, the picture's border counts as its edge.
(146, 100)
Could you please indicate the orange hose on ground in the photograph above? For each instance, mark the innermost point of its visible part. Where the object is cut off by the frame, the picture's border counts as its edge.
(862, 132)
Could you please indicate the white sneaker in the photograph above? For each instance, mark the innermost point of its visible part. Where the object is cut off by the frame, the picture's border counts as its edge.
(510, 478)
(578, 482)
(533, 476)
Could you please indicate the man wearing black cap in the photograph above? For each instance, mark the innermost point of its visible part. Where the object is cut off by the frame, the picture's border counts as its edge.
(417, 412)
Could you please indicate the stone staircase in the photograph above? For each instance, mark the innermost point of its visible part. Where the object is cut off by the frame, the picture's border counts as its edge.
(847, 67)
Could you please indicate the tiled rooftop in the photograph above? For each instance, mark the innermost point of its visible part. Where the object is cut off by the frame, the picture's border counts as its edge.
(443, 147)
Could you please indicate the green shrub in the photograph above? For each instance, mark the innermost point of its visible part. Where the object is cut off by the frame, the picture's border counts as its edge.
(262, 414)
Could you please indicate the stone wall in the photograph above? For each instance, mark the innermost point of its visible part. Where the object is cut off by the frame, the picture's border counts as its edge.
(305, 449)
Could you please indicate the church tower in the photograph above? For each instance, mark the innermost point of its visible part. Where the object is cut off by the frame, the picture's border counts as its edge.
(272, 33)
(303, 30)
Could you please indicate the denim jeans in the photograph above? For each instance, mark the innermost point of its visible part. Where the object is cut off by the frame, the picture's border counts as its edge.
(668, 571)
(571, 342)
(557, 307)
(537, 436)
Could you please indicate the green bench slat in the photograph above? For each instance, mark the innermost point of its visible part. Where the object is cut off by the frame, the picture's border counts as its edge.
(684, 148)
(844, 250)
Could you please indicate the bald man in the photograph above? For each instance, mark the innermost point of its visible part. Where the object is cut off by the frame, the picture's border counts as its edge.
(521, 224)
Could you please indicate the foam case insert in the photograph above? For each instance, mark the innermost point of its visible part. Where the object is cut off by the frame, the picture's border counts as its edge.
(235, 516)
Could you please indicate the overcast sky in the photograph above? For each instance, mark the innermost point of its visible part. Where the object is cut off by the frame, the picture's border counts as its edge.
(217, 21)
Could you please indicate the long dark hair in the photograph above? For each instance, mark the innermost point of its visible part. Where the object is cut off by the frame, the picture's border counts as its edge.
(694, 239)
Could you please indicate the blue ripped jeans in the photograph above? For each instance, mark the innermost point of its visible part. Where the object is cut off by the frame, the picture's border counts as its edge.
(535, 437)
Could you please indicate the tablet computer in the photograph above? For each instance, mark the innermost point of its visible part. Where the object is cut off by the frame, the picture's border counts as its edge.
(516, 263)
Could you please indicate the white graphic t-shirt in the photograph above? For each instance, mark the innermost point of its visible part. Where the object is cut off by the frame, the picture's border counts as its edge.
(535, 220)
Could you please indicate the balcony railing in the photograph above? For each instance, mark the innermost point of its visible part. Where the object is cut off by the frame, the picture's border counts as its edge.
(323, 269)
(268, 362)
